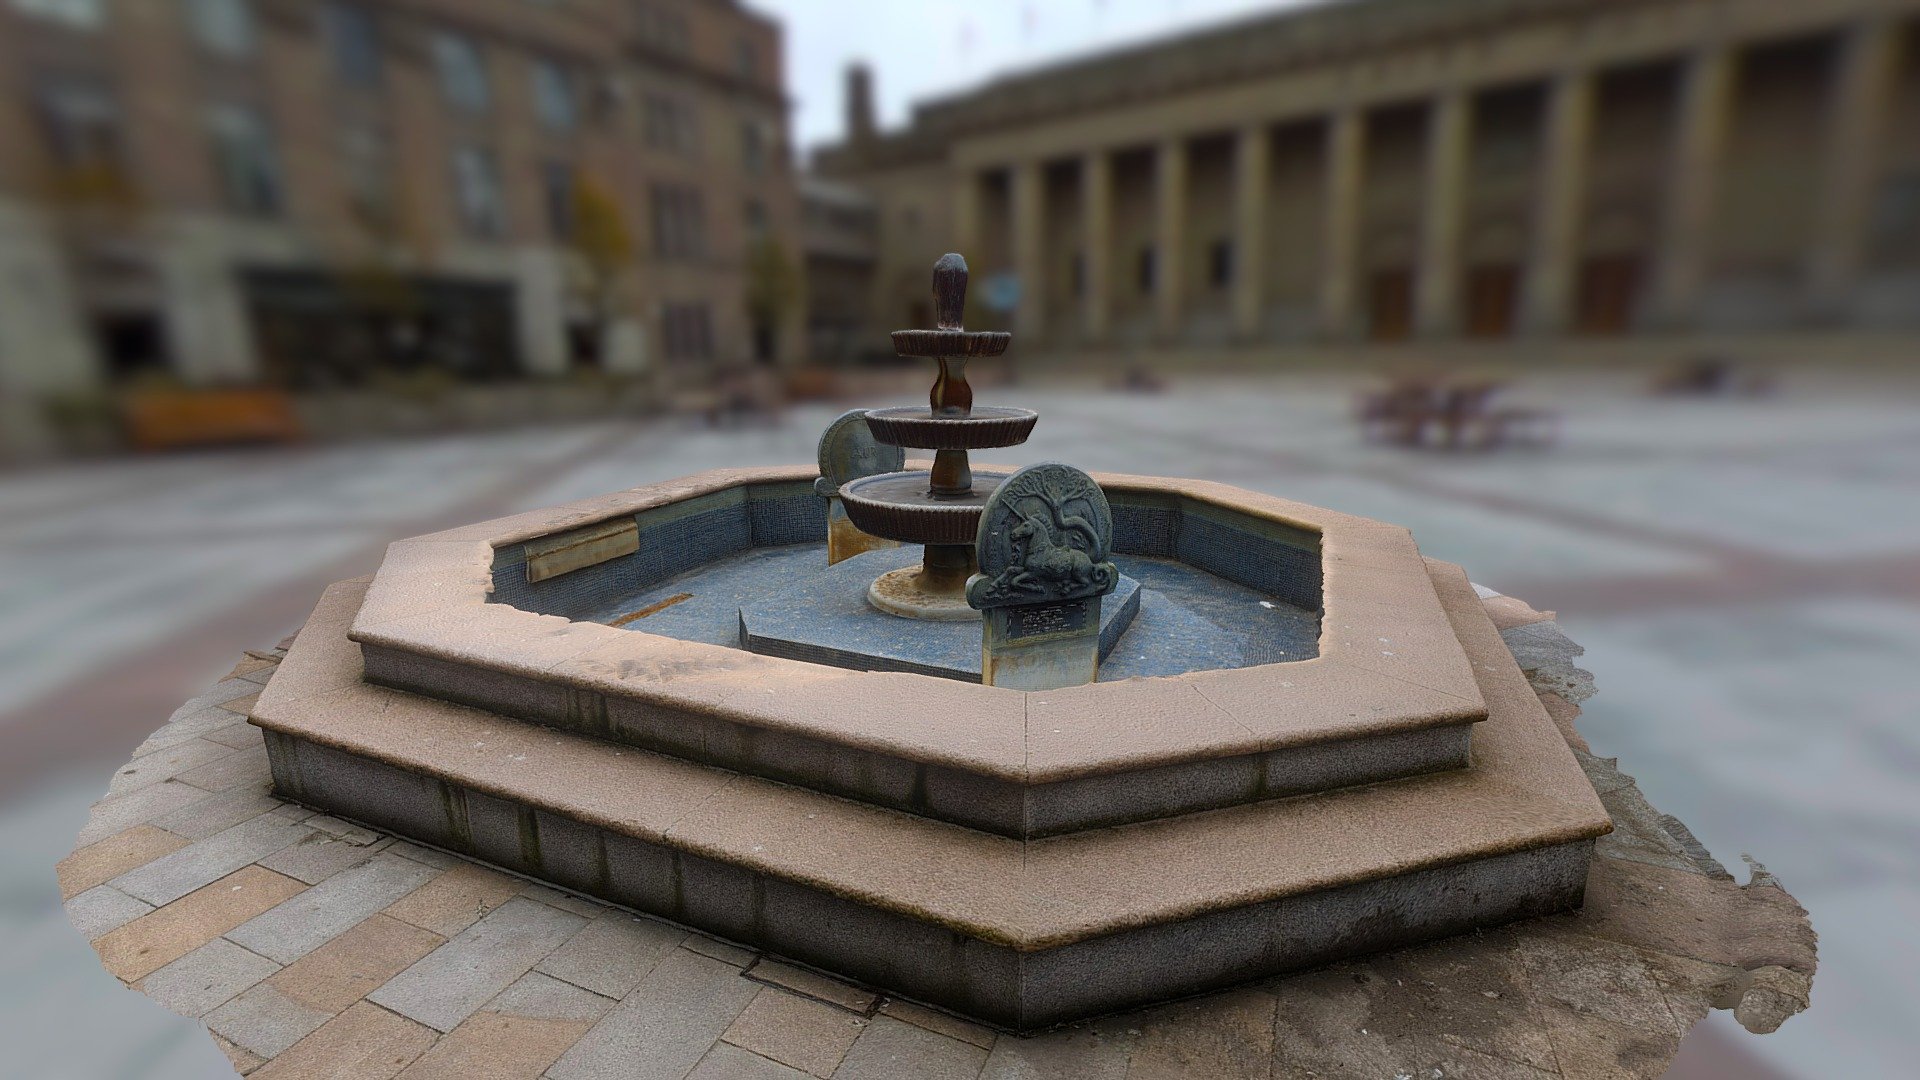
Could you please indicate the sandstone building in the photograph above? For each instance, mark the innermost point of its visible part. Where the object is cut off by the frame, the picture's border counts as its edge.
(1426, 170)
(311, 193)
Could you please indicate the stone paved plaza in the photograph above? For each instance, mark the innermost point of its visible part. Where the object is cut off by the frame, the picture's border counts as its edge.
(1745, 575)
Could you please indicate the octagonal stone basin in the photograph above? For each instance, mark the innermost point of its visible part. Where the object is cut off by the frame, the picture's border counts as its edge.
(500, 616)
(1216, 588)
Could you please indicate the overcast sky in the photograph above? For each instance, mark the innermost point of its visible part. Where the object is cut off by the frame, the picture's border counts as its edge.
(928, 48)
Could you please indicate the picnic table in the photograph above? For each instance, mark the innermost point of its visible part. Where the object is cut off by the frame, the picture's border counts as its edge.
(1450, 414)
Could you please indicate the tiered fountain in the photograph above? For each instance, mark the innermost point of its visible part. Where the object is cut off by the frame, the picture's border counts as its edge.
(938, 507)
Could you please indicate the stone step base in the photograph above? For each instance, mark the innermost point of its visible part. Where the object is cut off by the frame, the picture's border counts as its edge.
(1019, 934)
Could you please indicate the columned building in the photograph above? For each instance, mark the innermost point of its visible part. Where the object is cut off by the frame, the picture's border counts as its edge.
(1413, 170)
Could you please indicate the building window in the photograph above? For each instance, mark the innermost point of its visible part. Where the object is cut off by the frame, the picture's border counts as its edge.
(662, 28)
(244, 157)
(679, 222)
(560, 193)
(1077, 274)
(1146, 269)
(670, 124)
(83, 127)
(553, 97)
(1220, 263)
(222, 26)
(753, 148)
(756, 217)
(80, 14)
(746, 59)
(367, 168)
(463, 72)
(1896, 220)
(476, 183)
(687, 332)
(353, 40)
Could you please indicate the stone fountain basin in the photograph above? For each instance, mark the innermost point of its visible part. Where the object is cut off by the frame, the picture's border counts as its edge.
(1389, 694)
(1017, 933)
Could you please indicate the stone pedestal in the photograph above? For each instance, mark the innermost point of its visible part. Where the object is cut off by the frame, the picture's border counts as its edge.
(1044, 541)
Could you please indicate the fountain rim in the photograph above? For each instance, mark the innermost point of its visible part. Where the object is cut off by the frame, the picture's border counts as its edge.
(430, 599)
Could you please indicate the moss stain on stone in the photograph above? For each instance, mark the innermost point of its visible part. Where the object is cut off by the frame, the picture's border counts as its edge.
(529, 823)
(453, 804)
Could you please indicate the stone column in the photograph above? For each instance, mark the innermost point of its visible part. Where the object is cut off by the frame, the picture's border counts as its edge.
(1449, 126)
(1346, 144)
(1096, 245)
(1561, 201)
(966, 212)
(1857, 110)
(1251, 160)
(1028, 182)
(1704, 110)
(1170, 235)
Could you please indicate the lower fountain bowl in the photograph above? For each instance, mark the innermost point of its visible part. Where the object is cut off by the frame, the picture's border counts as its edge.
(900, 506)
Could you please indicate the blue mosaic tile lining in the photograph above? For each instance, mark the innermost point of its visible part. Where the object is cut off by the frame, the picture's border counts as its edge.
(1262, 556)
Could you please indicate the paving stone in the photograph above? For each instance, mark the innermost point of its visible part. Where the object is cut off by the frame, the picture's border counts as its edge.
(364, 1043)
(217, 813)
(170, 877)
(497, 1046)
(613, 953)
(719, 950)
(157, 939)
(934, 1020)
(1591, 1048)
(201, 724)
(244, 1060)
(239, 767)
(809, 1035)
(1076, 1053)
(1225, 1036)
(266, 1021)
(454, 900)
(542, 997)
(448, 984)
(665, 1026)
(343, 830)
(431, 856)
(100, 863)
(726, 1062)
(889, 1049)
(1597, 978)
(812, 984)
(320, 856)
(162, 765)
(329, 909)
(353, 965)
(103, 909)
(249, 664)
(240, 736)
(206, 978)
(242, 705)
(293, 812)
(119, 813)
(586, 909)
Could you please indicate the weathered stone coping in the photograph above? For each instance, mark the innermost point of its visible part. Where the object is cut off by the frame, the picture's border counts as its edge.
(1389, 663)
(1524, 793)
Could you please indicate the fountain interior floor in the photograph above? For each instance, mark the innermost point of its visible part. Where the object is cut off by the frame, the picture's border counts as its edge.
(1188, 620)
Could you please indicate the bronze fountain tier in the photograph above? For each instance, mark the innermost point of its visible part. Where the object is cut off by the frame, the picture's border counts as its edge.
(940, 507)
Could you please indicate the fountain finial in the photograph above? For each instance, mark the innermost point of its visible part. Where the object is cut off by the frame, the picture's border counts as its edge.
(950, 291)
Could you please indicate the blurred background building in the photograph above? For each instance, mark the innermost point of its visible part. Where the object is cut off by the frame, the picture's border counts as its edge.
(1593, 173)
(306, 198)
